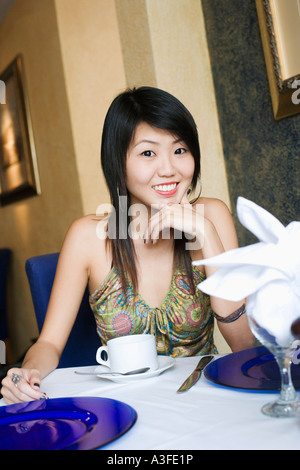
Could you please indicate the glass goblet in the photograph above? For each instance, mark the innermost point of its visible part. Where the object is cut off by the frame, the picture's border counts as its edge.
(287, 403)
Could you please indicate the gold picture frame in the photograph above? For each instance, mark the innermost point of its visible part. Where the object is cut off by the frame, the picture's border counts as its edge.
(279, 22)
(18, 165)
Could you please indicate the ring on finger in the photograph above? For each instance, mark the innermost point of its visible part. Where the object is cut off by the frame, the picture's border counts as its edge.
(16, 378)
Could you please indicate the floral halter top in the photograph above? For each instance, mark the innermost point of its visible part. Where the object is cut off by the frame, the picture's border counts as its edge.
(183, 324)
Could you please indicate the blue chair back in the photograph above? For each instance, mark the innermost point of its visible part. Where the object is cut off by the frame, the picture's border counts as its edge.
(5, 254)
(83, 341)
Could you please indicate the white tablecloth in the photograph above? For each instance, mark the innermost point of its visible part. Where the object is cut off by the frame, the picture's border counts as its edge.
(205, 417)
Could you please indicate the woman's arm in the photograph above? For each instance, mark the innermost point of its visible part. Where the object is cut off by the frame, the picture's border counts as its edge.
(219, 236)
(212, 230)
(70, 282)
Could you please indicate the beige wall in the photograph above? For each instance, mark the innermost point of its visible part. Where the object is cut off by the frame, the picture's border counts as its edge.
(94, 74)
(78, 55)
(37, 225)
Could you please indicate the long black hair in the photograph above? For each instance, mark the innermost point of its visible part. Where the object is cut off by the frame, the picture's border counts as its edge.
(159, 109)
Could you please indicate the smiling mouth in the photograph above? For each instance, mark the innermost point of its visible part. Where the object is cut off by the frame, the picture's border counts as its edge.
(166, 189)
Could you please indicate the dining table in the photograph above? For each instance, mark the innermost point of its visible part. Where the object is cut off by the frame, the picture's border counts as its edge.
(208, 416)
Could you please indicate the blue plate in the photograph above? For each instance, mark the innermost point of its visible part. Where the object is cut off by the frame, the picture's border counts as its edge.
(251, 369)
(80, 423)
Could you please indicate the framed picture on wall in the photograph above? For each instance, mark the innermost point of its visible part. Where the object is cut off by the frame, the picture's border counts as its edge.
(18, 165)
(279, 22)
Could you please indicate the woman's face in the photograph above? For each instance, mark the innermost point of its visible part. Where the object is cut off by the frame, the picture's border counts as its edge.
(159, 167)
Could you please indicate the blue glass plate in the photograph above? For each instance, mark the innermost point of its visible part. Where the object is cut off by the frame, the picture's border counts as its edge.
(251, 369)
(80, 423)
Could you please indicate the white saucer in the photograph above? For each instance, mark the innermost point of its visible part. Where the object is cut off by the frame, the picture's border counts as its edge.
(164, 363)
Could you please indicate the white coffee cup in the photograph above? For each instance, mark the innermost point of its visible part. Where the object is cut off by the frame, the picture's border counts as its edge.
(127, 353)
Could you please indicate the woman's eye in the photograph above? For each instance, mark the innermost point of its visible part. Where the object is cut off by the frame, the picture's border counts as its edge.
(148, 153)
(180, 151)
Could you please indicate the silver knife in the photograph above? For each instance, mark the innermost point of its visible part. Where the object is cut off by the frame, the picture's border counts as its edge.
(196, 374)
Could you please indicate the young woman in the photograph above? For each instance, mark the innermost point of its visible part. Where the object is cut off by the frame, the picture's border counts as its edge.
(138, 261)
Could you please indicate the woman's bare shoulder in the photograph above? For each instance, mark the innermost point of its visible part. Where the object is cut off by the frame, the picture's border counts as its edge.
(86, 236)
(219, 214)
(88, 227)
(214, 208)
(83, 250)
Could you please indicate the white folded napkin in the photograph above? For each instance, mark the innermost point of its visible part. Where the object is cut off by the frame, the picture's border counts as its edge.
(267, 272)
